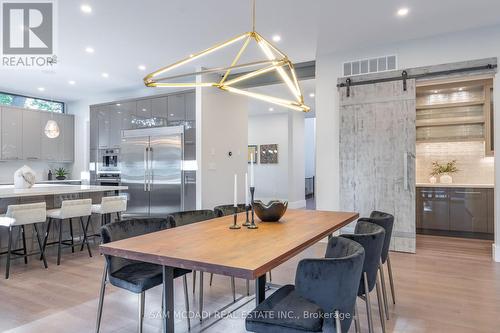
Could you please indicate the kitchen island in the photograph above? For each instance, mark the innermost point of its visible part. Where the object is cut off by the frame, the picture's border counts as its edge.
(53, 195)
(8, 191)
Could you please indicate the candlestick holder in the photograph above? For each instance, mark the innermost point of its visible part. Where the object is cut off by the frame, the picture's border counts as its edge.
(235, 215)
(252, 224)
(247, 222)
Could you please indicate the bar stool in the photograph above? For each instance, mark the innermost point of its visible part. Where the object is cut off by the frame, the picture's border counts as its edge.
(19, 216)
(69, 210)
(108, 206)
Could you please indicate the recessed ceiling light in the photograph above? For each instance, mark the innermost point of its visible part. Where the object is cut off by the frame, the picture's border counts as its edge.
(144, 110)
(276, 38)
(403, 11)
(118, 104)
(89, 49)
(41, 89)
(105, 75)
(460, 89)
(72, 82)
(86, 9)
(142, 67)
(171, 115)
(271, 109)
(311, 95)
(435, 91)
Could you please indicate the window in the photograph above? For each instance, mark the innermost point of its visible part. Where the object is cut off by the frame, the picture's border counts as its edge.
(31, 103)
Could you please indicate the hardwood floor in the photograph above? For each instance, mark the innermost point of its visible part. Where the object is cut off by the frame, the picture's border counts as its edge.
(450, 285)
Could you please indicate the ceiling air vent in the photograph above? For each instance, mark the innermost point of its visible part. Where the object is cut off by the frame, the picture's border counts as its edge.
(372, 65)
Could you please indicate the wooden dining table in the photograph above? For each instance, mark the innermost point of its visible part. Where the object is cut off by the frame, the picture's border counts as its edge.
(211, 246)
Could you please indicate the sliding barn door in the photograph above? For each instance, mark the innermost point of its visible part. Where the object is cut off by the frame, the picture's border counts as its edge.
(377, 154)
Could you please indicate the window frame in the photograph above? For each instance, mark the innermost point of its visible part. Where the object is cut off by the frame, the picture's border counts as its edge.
(33, 97)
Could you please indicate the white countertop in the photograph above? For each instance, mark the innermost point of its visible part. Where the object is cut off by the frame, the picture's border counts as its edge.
(8, 191)
(453, 185)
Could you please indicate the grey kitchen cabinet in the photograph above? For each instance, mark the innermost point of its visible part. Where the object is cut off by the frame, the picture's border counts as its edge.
(176, 109)
(159, 109)
(128, 110)
(32, 134)
(433, 209)
(491, 215)
(104, 126)
(12, 134)
(94, 127)
(190, 102)
(50, 150)
(67, 141)
(115, 127)
(454, 209)
(143, 113)
(469, 210)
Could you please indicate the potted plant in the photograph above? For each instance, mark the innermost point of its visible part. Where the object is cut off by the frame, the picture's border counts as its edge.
(61, 173)
(444, 171)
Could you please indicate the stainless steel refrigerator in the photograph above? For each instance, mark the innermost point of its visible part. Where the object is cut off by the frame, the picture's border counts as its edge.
(151, 167)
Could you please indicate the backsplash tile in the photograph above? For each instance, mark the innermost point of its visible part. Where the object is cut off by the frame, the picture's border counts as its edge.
(474, 166)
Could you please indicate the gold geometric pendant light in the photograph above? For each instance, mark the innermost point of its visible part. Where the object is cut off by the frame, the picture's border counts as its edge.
(275, 60)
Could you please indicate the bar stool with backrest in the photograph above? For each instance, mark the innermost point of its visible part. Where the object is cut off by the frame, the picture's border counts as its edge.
(110, 205)
(20, 216)
(323, 298)
(70, 209)
(371, 237)
(188, 217)
(132, 275)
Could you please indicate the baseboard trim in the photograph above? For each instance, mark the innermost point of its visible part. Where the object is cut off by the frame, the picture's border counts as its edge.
(496, 252)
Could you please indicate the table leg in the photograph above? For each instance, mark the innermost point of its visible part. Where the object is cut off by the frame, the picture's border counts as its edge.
(168, 299)
(260, 289)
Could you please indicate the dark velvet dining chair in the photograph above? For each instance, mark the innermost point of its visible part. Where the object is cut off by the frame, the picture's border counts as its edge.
(179, 219)
(386, 221)
(323, 298)
(132, 275)
(371, 236)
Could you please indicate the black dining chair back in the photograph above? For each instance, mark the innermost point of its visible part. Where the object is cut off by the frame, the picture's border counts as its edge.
(371, 237)
(333, 282)
(323, 297)
(126, 229)
(386, 221)
(224, 210)
(192, 216)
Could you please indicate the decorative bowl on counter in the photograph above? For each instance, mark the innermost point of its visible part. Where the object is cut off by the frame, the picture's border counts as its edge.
(270, 212)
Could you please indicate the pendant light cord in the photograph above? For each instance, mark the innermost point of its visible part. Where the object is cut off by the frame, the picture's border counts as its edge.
(253, 17)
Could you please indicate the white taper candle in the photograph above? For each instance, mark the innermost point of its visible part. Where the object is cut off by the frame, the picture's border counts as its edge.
(235, 190)
(252, 184)
(246, 189)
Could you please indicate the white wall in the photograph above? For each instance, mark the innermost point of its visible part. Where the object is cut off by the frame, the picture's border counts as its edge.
(310, 146)
(474, 44)
(285, 180)
(222, 127)
(40, 168)
(271, 180)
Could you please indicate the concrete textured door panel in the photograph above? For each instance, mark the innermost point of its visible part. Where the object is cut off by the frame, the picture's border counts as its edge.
(377, 150)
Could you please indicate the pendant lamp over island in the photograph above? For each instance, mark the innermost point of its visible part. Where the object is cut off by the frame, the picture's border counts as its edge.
(274, 60)
(52, 129)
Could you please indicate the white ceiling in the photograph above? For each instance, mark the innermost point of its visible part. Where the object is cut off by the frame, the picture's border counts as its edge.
(127, 33)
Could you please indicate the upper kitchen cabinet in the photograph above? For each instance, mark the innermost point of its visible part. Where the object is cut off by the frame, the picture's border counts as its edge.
(458, 111)
(127, 111)
(12, 134)
(176, 109)
(159, 109)
(32, 134)
(143, 113)
(94, 127)
(104, 126)
(115, 126)
(67, 141)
